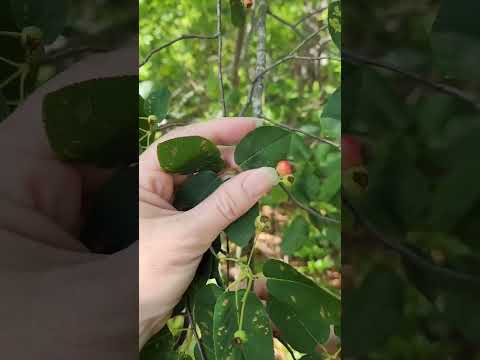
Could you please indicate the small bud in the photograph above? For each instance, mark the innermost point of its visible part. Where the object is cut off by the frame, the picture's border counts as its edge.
(263, 223)
(32, 37)
(152, 120)
(288, 180)
(240, 337)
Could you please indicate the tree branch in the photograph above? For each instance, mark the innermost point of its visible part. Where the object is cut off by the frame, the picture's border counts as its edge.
(446, 89)
(290, 56)
(285, 22)
(308, 16)
(257, 88)
(413, 257)
(289, 128)
(219, 52)
(308, 209)
(180, 38)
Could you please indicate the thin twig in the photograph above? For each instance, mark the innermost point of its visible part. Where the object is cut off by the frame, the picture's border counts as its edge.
(11, 34)
(308, 209)
(10, 78)
(285, 22)
(194, 329)
(316, 58)
(290, 56)
(308, 16)
(413, 257)
(10, 62)
(220, 48)
(180, 38)
(446, 89)
(286, 127)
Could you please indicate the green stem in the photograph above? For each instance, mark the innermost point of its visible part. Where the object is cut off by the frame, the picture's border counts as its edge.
(11, 34)
(10, 78)
(244, 301)
(10, 62)
(23, 76)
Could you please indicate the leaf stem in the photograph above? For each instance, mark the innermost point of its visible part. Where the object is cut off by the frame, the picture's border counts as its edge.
(244, 301)
(13, 34)
(194, 330)
(286, 127)
(10, 62)
(10, 78)
(308, 209)
(446, 89)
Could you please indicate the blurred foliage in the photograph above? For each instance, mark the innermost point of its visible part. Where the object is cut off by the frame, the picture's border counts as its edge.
(422, 200)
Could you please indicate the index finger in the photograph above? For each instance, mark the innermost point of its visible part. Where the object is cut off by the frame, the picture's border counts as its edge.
(224, 131)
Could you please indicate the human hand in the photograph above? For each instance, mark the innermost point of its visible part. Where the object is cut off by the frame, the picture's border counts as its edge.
(172, 242)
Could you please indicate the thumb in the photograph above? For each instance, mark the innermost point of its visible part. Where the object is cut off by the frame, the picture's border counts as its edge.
(230, 201)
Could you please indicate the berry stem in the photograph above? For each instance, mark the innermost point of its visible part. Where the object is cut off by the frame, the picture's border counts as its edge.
(11, 34)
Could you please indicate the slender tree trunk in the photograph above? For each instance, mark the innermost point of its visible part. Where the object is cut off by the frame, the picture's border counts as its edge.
(257, 98)
(238, 55)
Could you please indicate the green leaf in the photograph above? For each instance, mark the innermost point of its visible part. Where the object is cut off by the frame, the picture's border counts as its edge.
(188, 155)
(160, 347)
(205, 301)
(50, 18)
(335, 22)
(259, 344)
(94, 121)
(157, 103)
(141, 106)
(196, 189)
(243, 230)
(112, 222)
(330, 185)
(372, 313)
(295, 235)
(333, 107)
(301, 309)
(237, 13)
(264, 146)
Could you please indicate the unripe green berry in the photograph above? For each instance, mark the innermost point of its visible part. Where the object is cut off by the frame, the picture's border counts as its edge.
(152, 120)
(262, 223)
(240, 337)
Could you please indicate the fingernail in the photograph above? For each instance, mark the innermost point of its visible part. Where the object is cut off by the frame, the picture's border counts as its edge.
(261, 181)
(259, 122)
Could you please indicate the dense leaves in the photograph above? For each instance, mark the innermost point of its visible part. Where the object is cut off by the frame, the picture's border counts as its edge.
(203, 314)
(301, 309)
(259, 342)
(295, 235)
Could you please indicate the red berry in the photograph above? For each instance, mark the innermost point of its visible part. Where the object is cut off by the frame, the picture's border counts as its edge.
(284, 168)
(351, 152)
